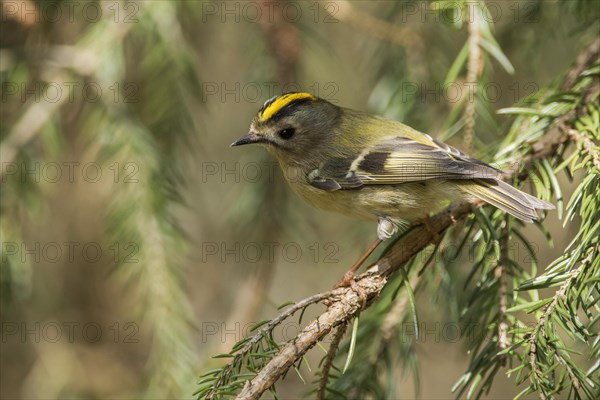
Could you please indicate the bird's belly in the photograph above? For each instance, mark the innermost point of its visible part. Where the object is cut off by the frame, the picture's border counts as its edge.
(408, 201)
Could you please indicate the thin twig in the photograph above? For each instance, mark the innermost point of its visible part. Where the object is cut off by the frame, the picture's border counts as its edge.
(408, 37)
(327, 364)
(394, 317)
(474, 66)
(583, 61)
(500, 274)
(284, 43)
(371, 25)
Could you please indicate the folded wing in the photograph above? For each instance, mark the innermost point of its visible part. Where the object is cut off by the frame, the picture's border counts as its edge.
(400, 160)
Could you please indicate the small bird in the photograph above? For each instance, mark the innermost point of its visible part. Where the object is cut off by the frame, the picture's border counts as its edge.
(366, 166)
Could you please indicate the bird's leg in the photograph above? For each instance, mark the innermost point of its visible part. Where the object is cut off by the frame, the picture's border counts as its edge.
(348, 279)
(385, 230)
(349, 276)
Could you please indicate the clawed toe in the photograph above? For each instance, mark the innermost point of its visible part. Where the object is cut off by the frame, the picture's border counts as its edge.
(362, 296)
(348, 280)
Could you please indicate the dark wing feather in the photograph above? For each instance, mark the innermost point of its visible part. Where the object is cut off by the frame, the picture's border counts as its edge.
(400, 160)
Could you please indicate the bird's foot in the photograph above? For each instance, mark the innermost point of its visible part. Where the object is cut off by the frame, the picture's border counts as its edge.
(349, 280)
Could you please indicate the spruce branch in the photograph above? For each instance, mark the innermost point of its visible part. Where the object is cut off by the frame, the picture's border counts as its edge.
(344, 307)
(540, 330)
(261, 333)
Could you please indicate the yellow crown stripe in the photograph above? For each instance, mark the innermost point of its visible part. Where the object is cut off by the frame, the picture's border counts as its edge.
(281, 102)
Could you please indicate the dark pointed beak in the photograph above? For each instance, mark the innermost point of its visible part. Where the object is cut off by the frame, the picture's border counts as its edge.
(250, 138)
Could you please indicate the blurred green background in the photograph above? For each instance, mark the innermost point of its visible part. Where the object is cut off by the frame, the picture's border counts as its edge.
(136, 243)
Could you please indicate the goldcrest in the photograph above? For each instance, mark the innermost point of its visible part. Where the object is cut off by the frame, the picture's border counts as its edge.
(362, 165)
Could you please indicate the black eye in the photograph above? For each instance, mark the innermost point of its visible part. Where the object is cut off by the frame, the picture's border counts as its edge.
(286, 133)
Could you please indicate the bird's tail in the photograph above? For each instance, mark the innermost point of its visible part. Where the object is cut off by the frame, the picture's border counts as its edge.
(507, 198)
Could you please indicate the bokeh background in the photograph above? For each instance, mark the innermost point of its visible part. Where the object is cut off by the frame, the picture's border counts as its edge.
(136, 244)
